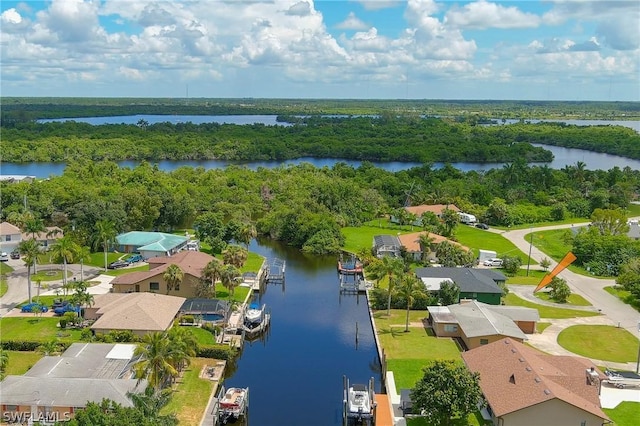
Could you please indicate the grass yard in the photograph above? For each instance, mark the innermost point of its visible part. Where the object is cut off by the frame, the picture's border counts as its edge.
(521, 278)
(357, 238)
(3, 286)
(553, 244)
(20, 362)
(191, 395)
(478, 239)
(547, 311)
(573, 220)
(474, 419)
(253, 264)
(122, 271)
(625, 414)
(36, 329)
(408, 352)
(5, 269)
(623, 295)
(633, 210)
(203, 337)
(574, 299)
(97, 259)
(542, 326)
(595, 341)
(45, 300)
(49, 275)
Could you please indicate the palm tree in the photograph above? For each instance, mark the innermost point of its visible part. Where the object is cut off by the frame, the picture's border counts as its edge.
(247, 233)
(173, 277)
(150, 403)
(105, 234)
(154, 363)
(235, 255)
(450, 219)
(51, 347)
(34, 227)
(82, 297)
(211, 274)
(229, 276)
(84, 254)
(67, 250)
(4, 361)
(425, 241)
(387, 266)
(184, 345)
(410, 288)
(29, 249)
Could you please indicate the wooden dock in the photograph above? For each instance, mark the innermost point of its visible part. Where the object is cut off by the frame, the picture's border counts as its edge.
(383, 410)
(275, 271)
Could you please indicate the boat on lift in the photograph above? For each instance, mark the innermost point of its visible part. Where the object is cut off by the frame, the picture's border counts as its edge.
(359, 403)
(256, 320)
(233, 404)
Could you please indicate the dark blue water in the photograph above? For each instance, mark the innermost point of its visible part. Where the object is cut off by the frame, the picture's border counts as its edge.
(295, 373)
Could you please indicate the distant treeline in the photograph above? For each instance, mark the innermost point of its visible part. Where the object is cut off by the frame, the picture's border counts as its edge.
(24, 109)
(382, 138)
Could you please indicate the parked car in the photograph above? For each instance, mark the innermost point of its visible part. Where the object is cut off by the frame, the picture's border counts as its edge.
(15, 254)
(118, 264)
(134, 258)
(4, 257)
(61, 310)
(482, 226)
(493, 262)
(30, 307)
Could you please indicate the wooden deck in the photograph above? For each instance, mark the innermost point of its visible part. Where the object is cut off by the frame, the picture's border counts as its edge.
(383, 410)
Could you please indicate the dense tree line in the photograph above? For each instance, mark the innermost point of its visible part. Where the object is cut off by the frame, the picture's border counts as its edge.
(302, 205)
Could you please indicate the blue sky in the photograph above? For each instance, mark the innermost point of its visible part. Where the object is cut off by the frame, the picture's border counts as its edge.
(417, 49)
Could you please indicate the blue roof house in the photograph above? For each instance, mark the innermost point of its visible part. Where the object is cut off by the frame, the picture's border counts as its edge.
(151, 244)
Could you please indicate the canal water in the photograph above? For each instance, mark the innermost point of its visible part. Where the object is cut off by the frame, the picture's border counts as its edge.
(295, 373)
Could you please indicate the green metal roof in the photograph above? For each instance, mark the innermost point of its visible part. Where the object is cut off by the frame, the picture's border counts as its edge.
(151, 241)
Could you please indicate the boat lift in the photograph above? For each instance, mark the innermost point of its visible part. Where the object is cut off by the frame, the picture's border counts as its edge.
(359, 404)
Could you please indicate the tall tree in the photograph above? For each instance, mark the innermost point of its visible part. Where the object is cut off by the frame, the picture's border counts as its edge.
(84, 254)
(34, 227)
(610, 222)
(426, 243)
(410, 287)
(390, 267)
(210, 275)
(65, 249)
(105, 235)
(29, 249)
(173, 277)
(235, 255)
(449, 293)
(150, 404)
(450, 220)
(246, 233)
(229, 275)
(155, 361)
(447, 391)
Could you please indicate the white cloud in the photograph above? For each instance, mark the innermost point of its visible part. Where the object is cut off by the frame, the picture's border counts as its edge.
(379, 4)
(352, 22)
(300, 9)
(11, 17)
(484, 14)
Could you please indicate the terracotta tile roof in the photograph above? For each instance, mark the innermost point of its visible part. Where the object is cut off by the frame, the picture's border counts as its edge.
(136, 311)
(56, 233)
(412, 241)
(435, 208)
(191, 263)
(514, 376)
(7, 228)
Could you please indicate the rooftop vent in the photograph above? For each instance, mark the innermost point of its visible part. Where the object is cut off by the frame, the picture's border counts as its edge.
(537, 379)
(528, 368)
(512, 379)
(547, 392)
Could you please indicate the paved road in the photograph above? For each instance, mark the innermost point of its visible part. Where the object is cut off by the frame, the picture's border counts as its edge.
(590, 288)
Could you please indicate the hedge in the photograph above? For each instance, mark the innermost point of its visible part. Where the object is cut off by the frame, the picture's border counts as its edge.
(222, 352)
(17, 345)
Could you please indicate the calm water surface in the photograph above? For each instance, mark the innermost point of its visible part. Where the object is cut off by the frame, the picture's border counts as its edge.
(295, 373)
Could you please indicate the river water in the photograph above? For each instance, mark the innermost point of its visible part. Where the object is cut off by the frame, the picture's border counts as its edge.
(295, 373)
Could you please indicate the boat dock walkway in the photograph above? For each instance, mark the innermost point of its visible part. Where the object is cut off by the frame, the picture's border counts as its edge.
(383, 410)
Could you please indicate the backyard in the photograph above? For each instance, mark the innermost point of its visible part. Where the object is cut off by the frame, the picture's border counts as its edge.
(36, 329)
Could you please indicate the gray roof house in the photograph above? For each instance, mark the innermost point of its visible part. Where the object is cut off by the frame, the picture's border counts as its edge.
(386, 245)
(475, 283)
(57, 386)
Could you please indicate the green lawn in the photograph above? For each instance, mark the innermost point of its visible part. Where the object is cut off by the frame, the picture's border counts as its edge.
(36, 329)
(20, 362)
(49, 275)
(477, 239)
(357, 238)
(191, 394)
(3, 286)
(5, 269)
(122, 271)
(595, 341)
(474, 419)
(253, 264)
(45, 300)
(553, 244)
(624, 295)
(574, 220)
(521, 278)
(625, 414)
(408, 352)
(574, 299)
(204, 337)
(547, 311)
(541, 326)
(633, 210)
(97, 259)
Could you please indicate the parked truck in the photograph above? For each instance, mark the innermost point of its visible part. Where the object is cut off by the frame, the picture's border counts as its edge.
(486, 255)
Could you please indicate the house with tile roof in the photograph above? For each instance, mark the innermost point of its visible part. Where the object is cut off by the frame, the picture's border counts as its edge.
(411, 243)
(151, 244)
(190, 262)
(476, 323)
(474, 283)
(418, 211)
(10, 237)
(140, 313)
(58, 386)
(46, 238)
(525, 387)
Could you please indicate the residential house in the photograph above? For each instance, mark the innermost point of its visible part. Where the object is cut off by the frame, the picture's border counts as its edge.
(151, 244)
(525, 387)
(56, 387)
(418, 211)
(17, 178)
(411, 243)
(386, 245)
(46, 238)
(141, 313)
(477, 324)
(10, 237)
(478, 284)
(190, 262)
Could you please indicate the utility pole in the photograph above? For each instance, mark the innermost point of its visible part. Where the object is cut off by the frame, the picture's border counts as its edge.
(530, 245)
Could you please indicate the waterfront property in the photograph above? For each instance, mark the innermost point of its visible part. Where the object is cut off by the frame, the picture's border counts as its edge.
(151, 244)
(411, 242)
(58, 386)
(207, 310)
(386, 245)
(190, 262)
(523, 386)
(478, 284)
(140, 313)
(477, 324)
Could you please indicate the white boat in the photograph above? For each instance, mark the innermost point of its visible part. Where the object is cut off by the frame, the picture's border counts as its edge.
(621, 379)
(233, 404)
(254, 315)
(359, 403)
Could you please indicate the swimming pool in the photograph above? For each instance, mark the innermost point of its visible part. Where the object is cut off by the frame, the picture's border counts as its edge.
(212, 317)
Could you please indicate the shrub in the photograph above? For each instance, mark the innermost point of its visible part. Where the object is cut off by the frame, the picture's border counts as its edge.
(188, 319)
(24, 346)
(511, 264)
(222, 352)
(86, 334)
(63, 323)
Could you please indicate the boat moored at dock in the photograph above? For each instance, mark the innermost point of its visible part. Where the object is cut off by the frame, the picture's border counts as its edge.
(256, 320)
(359, 403)
(233, 404)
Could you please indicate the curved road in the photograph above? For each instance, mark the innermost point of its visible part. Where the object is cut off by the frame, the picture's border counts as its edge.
(590, 288)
